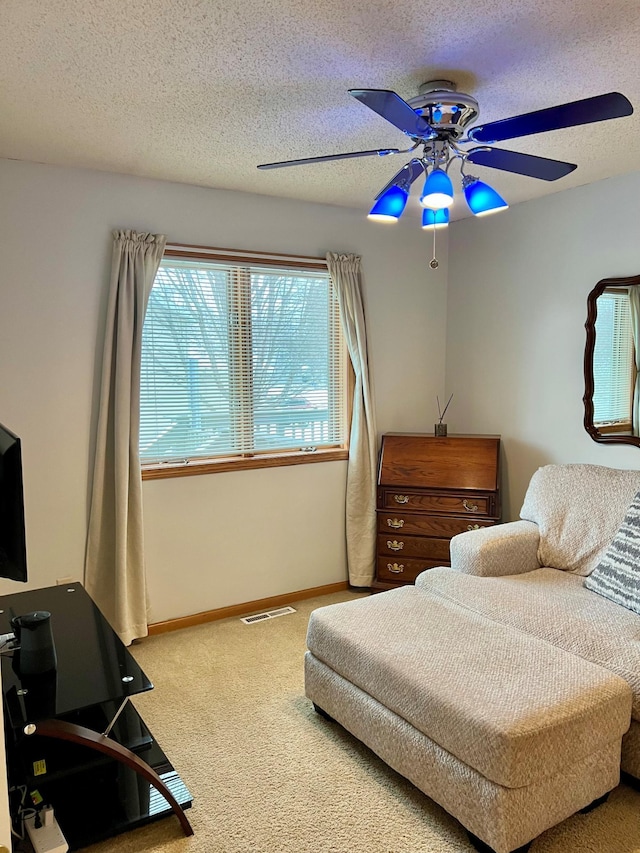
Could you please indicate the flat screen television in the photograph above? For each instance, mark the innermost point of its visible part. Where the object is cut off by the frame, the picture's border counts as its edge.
(13, 549)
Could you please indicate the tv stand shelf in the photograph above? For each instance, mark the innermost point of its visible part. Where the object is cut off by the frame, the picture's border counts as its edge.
(63, 759)
(101, 778)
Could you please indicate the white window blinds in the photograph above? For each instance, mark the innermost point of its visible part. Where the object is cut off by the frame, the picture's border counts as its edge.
(613, 360)
(240, 359)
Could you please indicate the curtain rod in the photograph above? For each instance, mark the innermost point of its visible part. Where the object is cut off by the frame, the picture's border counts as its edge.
(240, 253)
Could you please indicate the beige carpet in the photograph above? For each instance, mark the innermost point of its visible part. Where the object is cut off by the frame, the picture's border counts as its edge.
(268, 775)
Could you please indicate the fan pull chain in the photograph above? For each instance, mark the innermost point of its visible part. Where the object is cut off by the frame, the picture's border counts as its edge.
(433, 263)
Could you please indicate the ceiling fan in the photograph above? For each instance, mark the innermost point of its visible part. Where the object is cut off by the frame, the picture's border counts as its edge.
(436, 121)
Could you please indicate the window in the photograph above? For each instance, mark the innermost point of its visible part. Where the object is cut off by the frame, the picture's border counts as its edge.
(613, 362)
(243, 364)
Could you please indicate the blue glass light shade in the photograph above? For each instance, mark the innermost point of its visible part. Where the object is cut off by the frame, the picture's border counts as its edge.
(390, 206)
(435, 219)
(483, 199)
(438, 191)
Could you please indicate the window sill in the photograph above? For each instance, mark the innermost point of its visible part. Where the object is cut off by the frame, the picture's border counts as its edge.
(245, 463)
(622, 426)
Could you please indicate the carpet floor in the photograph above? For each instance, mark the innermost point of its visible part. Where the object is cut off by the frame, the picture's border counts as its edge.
(268, 775)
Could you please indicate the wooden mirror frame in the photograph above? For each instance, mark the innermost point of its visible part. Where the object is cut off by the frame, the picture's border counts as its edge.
(590, 326)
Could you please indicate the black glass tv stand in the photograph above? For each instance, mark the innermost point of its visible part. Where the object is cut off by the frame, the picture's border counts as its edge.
(73, 736)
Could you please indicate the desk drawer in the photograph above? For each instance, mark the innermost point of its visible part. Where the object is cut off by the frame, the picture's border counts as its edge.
(461, 503)
(405, 524)
(426, 547)
(399, 570)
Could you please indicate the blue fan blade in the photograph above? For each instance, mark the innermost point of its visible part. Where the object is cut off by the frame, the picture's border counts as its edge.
(406, 176)
(521, 164)
(381, 152)
(587, 111)
(391, 107)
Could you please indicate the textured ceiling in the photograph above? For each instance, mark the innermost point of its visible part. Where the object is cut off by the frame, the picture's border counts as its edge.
(200, 91)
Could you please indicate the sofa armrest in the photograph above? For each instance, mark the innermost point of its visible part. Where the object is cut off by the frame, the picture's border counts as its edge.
(505, 549)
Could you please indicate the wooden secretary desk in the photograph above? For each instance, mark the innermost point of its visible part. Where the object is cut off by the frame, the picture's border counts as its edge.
(429, 489)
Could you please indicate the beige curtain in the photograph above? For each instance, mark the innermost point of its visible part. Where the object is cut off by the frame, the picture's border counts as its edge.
(361, 473)
(634, 302)
(114, 566)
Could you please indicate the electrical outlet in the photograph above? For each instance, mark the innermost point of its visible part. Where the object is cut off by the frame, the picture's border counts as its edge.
(63, 581)
(47, 838)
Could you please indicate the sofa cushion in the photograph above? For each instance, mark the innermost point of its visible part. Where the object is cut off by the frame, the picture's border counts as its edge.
(554, 606)
(617, 575)
(578, 509)
(514, 708)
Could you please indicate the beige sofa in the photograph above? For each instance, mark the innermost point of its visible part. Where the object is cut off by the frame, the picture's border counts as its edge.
(530, 574)
(501, 686)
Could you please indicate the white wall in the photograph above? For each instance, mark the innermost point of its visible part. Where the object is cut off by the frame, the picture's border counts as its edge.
(211, 540)
(517, 288)
(517, 304)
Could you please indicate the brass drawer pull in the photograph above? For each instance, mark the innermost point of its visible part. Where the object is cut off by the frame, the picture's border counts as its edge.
(401, 499)
(469, 507)
(395, 545)
(395, 522)
(473, 527)
(395, 568)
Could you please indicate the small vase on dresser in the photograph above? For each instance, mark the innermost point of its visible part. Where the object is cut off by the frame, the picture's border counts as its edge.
(429, 489)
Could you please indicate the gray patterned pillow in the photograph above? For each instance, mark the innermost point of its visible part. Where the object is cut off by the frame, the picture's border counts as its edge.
(617, 575)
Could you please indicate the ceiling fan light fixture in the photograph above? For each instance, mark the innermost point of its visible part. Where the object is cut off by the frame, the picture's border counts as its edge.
(441, 120)
(438, 190)
(481, 198)
(390, 206)
(432, 219)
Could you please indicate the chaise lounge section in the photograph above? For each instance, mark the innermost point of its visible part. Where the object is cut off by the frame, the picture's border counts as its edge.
(501, 687)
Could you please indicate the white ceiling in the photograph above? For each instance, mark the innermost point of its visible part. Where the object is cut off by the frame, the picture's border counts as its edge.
(200, 91)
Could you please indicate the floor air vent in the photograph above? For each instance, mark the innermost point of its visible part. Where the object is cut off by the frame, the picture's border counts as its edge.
(268, 614)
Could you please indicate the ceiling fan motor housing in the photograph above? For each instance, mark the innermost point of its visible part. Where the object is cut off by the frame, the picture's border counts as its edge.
(445, 109)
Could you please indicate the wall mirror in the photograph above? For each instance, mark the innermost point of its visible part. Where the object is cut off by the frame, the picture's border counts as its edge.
(612, 362)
